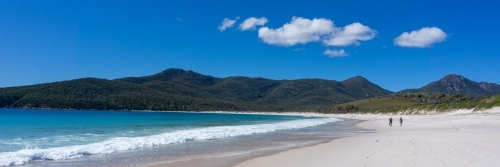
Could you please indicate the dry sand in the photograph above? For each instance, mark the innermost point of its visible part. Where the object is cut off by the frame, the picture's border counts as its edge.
(460, 138)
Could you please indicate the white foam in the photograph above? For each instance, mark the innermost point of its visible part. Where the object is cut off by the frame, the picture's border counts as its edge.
(28, 155)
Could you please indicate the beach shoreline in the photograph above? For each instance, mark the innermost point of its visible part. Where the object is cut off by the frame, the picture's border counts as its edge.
(347, 128)
(457, 138)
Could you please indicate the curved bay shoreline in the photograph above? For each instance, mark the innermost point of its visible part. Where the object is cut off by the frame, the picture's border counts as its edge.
(345, 128)
(456, 138)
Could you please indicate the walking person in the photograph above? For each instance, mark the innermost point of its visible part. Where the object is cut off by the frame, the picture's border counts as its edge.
(400, 121)
(390, 121)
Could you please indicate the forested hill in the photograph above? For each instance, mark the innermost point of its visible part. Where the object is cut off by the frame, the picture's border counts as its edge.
(177, 89)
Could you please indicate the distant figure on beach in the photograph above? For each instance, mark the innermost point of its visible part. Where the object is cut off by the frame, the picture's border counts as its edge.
(400, 121)
(390, 121)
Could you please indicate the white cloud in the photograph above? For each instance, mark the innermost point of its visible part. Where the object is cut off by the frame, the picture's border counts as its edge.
(299, 30)
(227, 23)
(252, 22)
(335, 53)
(302, 30)
(422, 38)
(350, 34)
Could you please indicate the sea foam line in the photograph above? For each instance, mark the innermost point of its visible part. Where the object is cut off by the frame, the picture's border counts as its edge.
(28, 155)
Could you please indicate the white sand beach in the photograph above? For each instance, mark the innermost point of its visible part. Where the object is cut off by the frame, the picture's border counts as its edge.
(460, 138)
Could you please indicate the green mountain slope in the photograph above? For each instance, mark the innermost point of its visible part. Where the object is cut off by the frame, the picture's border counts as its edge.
(92, 93)
(362, 88)
(177, 89)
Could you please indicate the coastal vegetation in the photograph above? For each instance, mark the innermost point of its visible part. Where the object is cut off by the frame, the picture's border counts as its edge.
(416, 102)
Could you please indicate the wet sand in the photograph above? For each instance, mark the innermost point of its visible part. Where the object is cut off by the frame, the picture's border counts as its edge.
(265, 145)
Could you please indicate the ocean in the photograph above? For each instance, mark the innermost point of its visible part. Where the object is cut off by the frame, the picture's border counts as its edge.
(134, 138)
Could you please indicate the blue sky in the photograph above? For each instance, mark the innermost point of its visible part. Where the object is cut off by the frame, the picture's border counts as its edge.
(47, 41)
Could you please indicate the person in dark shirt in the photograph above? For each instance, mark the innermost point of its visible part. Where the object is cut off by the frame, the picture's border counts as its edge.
(390, 121)
(400, 121)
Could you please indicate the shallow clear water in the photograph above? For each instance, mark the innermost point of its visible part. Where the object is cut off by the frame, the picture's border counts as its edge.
(119, 138)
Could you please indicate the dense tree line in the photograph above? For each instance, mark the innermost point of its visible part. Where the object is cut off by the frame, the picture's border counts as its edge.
(179, 90)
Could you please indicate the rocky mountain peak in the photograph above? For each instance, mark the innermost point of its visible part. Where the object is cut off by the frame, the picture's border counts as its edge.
(453, 83)
(453, 78)
(356, 79)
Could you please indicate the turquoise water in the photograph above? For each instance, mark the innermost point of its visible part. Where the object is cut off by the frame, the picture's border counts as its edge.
(62, 138)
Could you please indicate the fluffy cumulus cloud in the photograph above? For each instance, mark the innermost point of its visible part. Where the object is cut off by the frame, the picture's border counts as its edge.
(302, 30)
(299, 30)
(349, 35)
(335, 53)
(252, 22)
(227, 23)
(422, 38)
